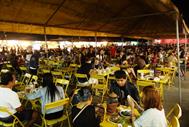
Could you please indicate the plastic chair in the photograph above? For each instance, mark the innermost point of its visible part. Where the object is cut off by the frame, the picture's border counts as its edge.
(16, 121)
(23, 70)
(63, 102)
(144, 72)
(174, 122)
(175, 111)
(102, 86)
(147, 66)
(9, 66)
(81, 76)
(64, 83)
(114, 68)
(25, 81)
(56, 75)
(130, 80)
(141, 84)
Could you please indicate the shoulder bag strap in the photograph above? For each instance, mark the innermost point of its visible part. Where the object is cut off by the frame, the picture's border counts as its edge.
(79, 113)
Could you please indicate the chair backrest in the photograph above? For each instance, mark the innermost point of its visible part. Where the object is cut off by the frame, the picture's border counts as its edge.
(174, 122)
(175, 111)
(74, 65)
(78, 75)
(4, 109)
(130, 80)
(143, 71)
(26, 79)
(114, 68)
(9, 66)
(147, 66)
(141, 84)
(101, 79)
(33, 79)
(22, 68)
(56, 104)
(64, 83)
(56, 74)
(45, 71)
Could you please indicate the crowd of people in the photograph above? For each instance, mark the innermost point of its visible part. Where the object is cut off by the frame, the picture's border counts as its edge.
(83, 111)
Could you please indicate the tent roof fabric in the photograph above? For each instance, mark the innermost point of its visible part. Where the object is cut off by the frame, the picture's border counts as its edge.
(120, 18)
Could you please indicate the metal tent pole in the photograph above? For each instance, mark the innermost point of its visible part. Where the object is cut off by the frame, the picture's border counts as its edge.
(96, 44)
(185, 51)
(46, 45)
(178, 52)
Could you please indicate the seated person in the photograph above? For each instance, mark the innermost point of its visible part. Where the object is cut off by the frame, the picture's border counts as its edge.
(49, 93)
(83, 114)
(153, 114)
(86, 69)
(10, 100)
(123, 88)
(112, 103)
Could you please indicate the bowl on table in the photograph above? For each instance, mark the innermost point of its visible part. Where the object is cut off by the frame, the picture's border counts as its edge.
(125, 113)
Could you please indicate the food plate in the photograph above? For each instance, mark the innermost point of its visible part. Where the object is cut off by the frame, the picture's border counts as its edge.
(125, 113)
(116, 119)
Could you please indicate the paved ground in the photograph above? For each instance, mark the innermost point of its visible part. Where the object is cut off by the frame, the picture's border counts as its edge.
(172, 97)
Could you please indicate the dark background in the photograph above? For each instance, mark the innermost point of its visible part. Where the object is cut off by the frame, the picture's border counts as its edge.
(183, 6)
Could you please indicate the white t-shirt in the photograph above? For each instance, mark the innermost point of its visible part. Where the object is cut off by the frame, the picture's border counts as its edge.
(10, 100)
(151, 118)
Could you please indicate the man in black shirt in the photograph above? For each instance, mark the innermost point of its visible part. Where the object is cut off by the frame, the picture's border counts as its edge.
(123, 88)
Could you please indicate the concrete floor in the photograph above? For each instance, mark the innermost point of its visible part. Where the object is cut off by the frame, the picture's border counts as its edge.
(171, 97)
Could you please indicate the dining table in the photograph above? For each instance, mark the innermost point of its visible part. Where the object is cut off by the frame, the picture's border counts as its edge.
(126, 120)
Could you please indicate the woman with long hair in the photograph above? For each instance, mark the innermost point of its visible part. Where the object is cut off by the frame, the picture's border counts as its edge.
(49, 93)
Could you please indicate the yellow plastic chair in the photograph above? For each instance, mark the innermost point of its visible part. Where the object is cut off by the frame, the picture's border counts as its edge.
(114, 68)
(130, 80)
(171, 72)
(101, 87)
(65, 116)
(174, 122)
(74, 67)
(56, 75)
(67, 72)
(45, 71)
(15, 122)
(141, 84)
(25, 81)
(9, 66)
(140, 72)
(64, 83)
(175, 111)
(33, 80)
(80, 76)
(147, 66)
(105, 111)
(23, 68)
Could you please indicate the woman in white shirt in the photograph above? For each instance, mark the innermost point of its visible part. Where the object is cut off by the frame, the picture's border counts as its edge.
(153, 114)
(49, 93)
